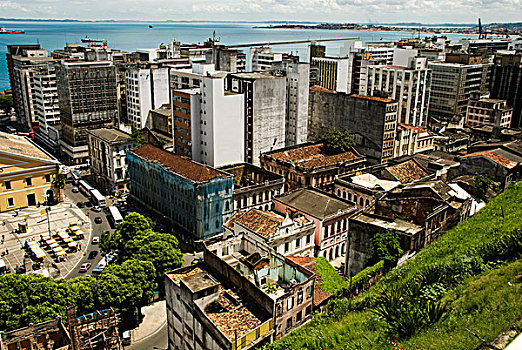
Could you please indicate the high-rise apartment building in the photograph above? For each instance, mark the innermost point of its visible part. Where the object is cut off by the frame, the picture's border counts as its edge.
(409, 85)
(506, 83)
(264, 111)
(88, 100)
(147, 88)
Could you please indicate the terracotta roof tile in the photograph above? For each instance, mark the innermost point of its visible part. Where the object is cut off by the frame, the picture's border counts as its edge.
(18, 145)
(310, 157)
(495, 157)
(309, 263)
(373, 98)
(408, 171)
(189, 169)
(320, 88)
(261, 222)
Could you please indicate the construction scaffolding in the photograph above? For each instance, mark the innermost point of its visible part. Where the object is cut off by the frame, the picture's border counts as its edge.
(95, 331)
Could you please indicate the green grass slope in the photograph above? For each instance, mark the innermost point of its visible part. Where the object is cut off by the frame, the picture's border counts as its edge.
(478, 275)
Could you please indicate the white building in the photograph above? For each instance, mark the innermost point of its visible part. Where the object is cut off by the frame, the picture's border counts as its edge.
(108, 158)
(147, 89)
(290, 237)
(332, 72)
(409, 85)
(262, 59)
(411, 139)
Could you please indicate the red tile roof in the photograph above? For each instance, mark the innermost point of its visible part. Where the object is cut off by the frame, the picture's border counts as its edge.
(373, 98)
(189, 169)
(495, 157)
(310, 157)
(320, 88)
(407, 171)
(309, 263)
(261, 222)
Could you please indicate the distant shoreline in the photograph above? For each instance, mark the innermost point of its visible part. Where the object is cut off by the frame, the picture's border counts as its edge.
(435, 30)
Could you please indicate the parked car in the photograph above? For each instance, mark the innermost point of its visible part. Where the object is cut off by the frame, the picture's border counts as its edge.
(96, 209)
(80, 205)
(85, 267)
(93, 254)
(88, 204)
(95, 240)
(98, 220)
(75, 190)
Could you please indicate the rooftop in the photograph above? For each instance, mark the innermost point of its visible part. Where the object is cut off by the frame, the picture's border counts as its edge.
(497, 156)
(189, 169)
(311, 156)
(309, 263)
(18, 145)
(320, 88)
(373, 182)
(401, 226)
(315, 203)
(233, 316)
(263, 223)
(408, 171)
(254, 75)
(373, 98)
(438, 187)
(111, 135)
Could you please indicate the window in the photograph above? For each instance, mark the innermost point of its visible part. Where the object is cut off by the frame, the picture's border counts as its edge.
(10, 202)
(300, 298)
(308, 239)
(28, 181)
(290, 303)
(308, 310)
(287, 246)
(308, 292)
(47, 178)
(298, 317)
(289, 323)
(7, 185)
(298, 242)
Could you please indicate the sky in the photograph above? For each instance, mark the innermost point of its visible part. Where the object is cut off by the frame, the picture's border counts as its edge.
(357, 11)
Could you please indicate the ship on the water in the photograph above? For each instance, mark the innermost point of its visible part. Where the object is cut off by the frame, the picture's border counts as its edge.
(89, 40)
(10, 31)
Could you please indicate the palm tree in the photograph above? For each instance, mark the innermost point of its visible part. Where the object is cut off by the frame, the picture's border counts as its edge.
(59, 183)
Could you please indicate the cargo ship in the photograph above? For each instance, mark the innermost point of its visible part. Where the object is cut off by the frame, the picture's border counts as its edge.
(7, 31)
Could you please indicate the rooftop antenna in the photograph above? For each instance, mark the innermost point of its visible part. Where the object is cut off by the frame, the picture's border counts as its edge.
(481, 36)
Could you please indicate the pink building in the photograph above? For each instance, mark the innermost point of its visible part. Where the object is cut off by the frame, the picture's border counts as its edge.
(329, 214)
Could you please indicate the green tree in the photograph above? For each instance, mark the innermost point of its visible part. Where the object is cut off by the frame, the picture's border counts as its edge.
(83, 293)
(6, 103)
(481, 185)
(59, 180)
(137, 134)
(337, 141)
(387, 247)
(132, 226)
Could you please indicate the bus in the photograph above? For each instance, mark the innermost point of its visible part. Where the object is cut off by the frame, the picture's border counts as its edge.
(115, 215)
(98, 269)
(97, 198)
(85, 188)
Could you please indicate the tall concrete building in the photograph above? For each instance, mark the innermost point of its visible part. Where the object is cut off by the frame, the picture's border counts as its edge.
(226, 58)
(506, 83)
(409, 85)
(332, 72)
(487, 111)
(265, 111)
(14, 51)
(372, 121)
(147, 88)
(452, 85)
(262, 59)
(88, 100)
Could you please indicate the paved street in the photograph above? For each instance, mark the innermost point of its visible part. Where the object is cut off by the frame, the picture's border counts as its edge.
(97, 230)
(60, 216)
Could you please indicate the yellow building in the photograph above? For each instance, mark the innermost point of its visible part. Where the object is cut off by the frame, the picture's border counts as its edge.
(26, 174)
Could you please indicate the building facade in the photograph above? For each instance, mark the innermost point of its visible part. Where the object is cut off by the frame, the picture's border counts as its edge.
(108, 159)
(487, 111)
(27, 174)
(194, 197)
(372, 121)
(88, 100)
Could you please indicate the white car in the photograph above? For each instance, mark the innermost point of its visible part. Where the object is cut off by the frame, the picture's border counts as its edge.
(85, 267)
(96, 209)
(95, 240)
(75, 190)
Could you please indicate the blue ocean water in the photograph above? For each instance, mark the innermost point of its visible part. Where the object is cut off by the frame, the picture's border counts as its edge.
(130, 36)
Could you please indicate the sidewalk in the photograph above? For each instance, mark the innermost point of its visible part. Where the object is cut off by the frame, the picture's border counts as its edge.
(154, 319)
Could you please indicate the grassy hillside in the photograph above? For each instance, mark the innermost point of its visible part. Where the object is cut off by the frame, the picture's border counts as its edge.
(466, 272)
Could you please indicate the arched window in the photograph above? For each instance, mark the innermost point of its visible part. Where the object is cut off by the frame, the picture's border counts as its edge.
(361, 201)
(344, 194)
(338, 193)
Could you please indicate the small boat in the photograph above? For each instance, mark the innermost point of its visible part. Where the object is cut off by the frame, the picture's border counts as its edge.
(151, 26)
(7, 31)
(89, 40)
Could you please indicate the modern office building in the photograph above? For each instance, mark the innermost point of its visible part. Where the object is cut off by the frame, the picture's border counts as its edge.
(108, 159)
(332, 72)
(88, 100)
(372, 121)
(262, 59)
(452, 85)
(27, 174)
(195, 198)
(147, 88)
(506, 83)
(488, 111)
